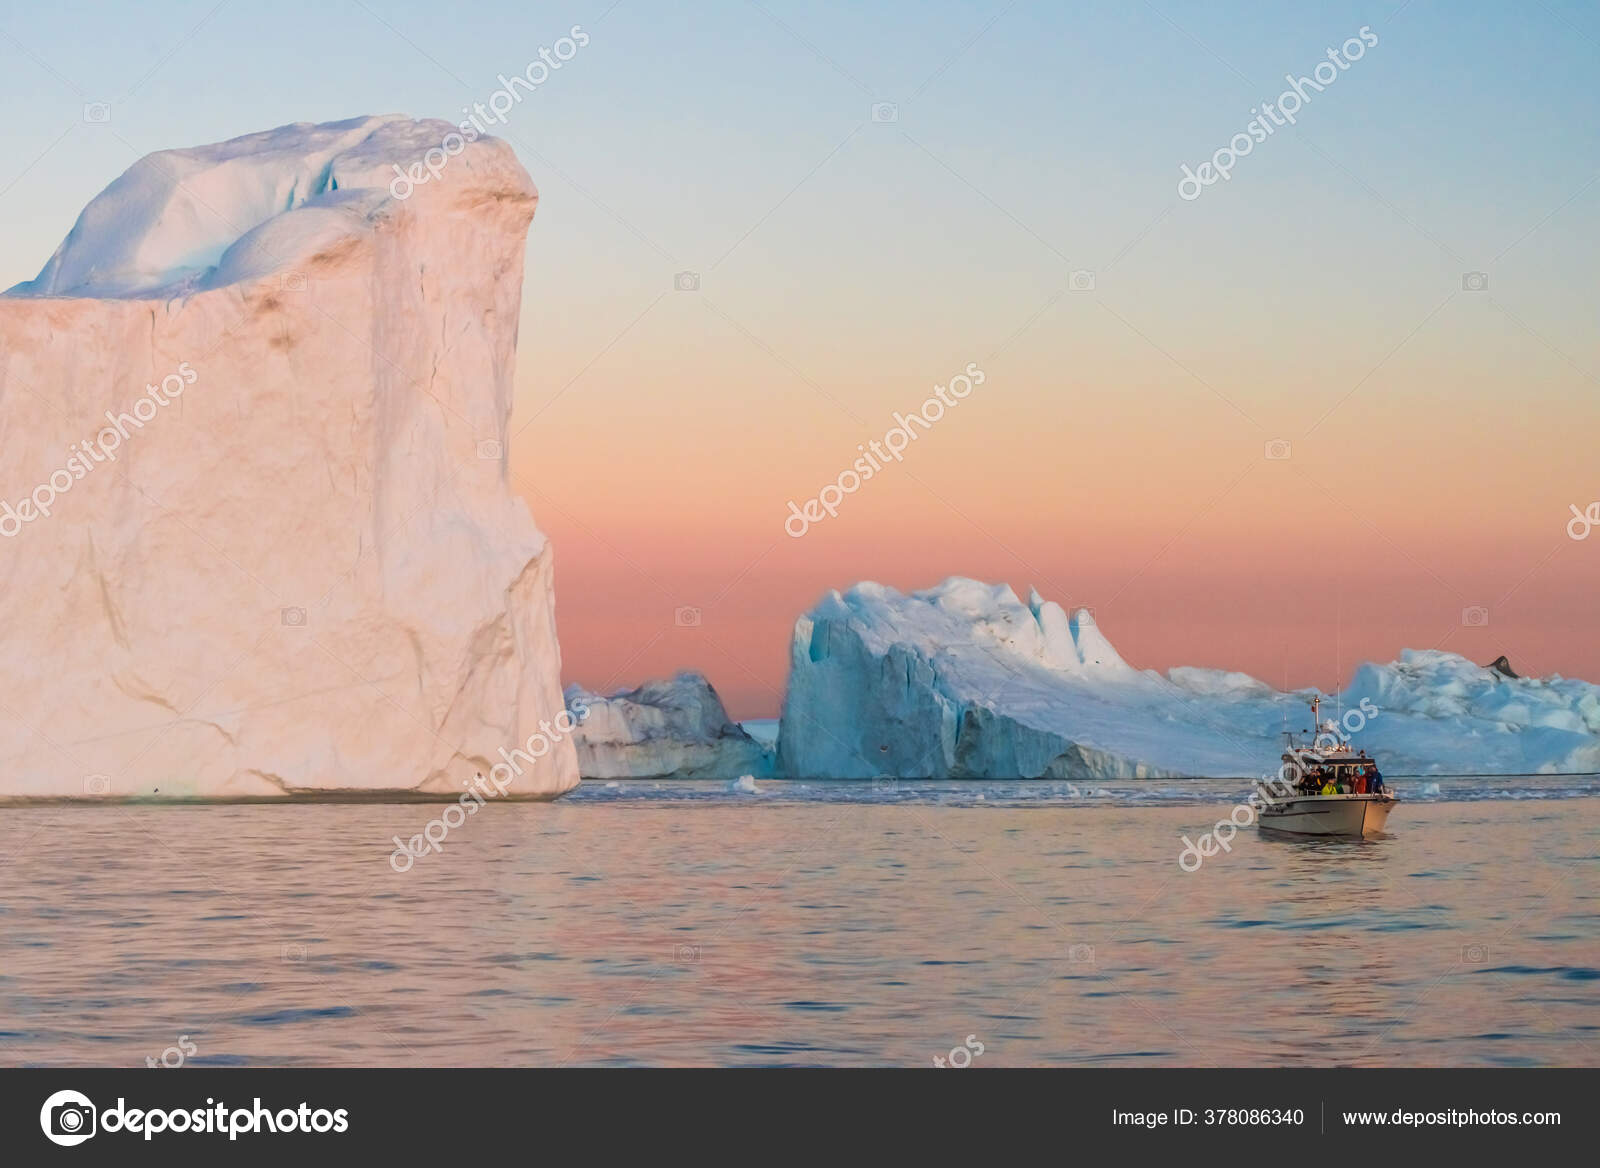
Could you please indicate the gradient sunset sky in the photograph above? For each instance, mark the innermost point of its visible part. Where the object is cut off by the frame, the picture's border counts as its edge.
(1116, 455)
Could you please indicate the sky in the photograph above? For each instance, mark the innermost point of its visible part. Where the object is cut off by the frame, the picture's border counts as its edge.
(1338, 404)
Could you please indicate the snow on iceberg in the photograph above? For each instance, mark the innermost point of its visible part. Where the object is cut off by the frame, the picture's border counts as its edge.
(190, 220)
(1451, 716)
(967, 681)
(664, 729)
(308, 573)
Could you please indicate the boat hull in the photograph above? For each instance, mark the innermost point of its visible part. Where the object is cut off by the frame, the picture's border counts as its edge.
(1346, 815)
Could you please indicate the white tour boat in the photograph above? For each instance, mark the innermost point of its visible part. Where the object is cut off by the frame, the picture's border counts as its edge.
(1325, 788)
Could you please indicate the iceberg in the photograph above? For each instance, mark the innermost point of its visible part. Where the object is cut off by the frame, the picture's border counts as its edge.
(259, 538)
(675, 729)
(966, 680)
(1451, 716)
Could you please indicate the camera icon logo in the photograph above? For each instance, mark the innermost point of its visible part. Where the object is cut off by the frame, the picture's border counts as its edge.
(1080, 954)
(1474, 281)
(295, 618)
(294, 953)
(68, 1118)
(686, 282)
(1474, 954)
(491, 449)
(292, 281)
(885, 111)
(686, 618)
(686, 954)
(97, 785)
(1277, 449)
(1081, 280)
(97, 113)
(1475, 616)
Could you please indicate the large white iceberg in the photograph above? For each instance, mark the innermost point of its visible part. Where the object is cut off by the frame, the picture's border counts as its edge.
(259, 536)
(674, 729)
(967, 681)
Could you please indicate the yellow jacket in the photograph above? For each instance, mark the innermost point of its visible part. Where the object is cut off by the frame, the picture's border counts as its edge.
(1328, 788)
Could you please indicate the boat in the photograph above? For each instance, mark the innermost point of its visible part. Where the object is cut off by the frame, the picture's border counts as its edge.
(1295, 802)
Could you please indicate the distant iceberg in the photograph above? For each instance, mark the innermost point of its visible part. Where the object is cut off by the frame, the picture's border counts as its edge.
(1475, 719)
(965, 680)
(674, 729)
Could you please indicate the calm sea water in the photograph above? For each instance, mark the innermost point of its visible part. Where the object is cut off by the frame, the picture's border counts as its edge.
(819, 923)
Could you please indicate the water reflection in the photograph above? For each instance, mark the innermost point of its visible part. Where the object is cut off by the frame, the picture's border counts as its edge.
(736, 931)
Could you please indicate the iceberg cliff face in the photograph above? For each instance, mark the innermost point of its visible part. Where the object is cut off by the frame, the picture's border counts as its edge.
(259, 537)
(675, 729)
(961, 681)
(966, 681)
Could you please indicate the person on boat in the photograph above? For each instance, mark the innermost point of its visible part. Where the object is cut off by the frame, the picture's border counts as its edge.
(1329, 787)
(1361, 783)
(1374, 781)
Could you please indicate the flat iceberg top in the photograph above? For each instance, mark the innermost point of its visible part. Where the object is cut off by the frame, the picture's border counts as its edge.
(189, 220)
